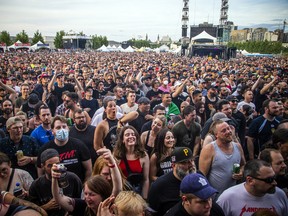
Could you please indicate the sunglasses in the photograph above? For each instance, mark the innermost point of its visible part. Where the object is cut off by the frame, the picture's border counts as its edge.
(268, 180)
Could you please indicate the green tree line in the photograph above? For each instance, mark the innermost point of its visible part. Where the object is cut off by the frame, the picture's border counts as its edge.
(263, 47)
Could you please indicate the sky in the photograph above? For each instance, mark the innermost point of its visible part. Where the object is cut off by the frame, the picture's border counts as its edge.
(122, 20)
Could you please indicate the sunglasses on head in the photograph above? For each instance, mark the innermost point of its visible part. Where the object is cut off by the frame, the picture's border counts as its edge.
(268, 180)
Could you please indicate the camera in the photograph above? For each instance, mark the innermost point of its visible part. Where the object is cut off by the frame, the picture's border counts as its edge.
(61, 168)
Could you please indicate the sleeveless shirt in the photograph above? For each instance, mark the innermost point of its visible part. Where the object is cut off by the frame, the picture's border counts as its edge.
(111, 137)
(220, 174)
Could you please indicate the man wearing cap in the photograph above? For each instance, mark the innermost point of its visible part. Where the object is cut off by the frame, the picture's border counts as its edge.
(40, 191)
(56, 86)
(144, 112)
(196, 198)
(17, 141)
(217, 159)
(259, 191)
(222, 106)
(145, 86)
(39, 87)
(164, 192)
(29, 106)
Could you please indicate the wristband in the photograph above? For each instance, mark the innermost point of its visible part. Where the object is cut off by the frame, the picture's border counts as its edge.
(111, 166)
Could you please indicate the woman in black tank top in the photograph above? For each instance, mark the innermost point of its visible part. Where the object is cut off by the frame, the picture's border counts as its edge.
(160, 161)
(106, 130)
(148, 137)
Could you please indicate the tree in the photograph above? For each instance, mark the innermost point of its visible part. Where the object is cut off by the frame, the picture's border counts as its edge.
(37, 37)
(98, 41)
(5, 38)
(58, 41)
(23, 37)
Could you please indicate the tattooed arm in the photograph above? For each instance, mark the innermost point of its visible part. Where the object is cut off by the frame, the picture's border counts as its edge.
(8, 198)
(65, 202)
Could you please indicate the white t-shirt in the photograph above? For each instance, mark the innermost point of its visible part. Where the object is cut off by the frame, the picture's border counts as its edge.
(236, 201)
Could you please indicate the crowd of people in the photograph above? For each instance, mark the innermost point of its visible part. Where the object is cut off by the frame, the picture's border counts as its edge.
(144, 133)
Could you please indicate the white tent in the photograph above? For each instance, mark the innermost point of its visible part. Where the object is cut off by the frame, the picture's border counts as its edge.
(103, 48)
(164, 48)
(129, 49)
(244, 52)
(39, 45)
(204, 36)
(120, 49)
(19, 45)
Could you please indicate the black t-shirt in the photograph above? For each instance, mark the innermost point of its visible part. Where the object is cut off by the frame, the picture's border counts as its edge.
(59, 90)
(72, 154)
(164, 193)
(28, 110)
(151, 94)
(92, 104)
(179, 210)
(40, 191)
(87, 137)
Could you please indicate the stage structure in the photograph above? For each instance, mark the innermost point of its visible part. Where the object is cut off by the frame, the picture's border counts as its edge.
(185, 21)
(77, 42)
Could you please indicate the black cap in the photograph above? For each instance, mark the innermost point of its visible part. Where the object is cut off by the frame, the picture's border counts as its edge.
(181, 154)
(231, 98)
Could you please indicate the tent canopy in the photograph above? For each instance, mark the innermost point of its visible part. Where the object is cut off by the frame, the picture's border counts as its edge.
(19, 45)
(204, 36)
(39, 45)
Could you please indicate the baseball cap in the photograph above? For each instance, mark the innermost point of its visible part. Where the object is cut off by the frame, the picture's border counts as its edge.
(44, 75)
(47, 154)
(33, 100)
(197, 185)
(181, 154)
(12, 120)
(60, 74)
(144, 100)
(220, 116)
(232, 98)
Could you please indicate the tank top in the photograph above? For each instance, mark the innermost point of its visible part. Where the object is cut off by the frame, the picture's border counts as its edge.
(165, 166)
(111, 137)
(134, 165)
(149, 149)
(220, 175)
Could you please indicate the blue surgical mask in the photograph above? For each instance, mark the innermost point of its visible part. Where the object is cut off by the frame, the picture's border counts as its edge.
(62, 134)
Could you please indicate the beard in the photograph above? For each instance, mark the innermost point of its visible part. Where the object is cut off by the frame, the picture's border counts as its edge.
(182, 173)
(7, 111)
(81, 126)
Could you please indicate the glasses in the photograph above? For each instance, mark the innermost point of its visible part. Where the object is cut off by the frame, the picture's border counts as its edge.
(234, 101)
(268, 180)
(80, 79)
(80, 117)
(67, 101)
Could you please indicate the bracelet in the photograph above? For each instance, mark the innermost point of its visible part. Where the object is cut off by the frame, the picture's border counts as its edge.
(111, 166)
